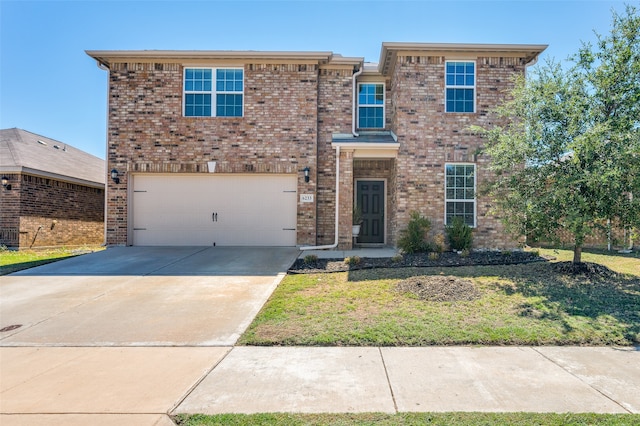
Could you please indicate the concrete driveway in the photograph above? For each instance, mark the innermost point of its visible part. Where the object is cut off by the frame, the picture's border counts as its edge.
(110, 337)
(141, 296)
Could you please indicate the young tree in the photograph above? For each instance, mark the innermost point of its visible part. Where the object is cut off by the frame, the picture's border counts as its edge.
(569, 156)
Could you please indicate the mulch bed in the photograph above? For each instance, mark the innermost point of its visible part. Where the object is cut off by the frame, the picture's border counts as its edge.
(439, 288)
(417, 260)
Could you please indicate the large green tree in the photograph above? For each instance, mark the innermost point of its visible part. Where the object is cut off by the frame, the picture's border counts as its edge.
(568, 157)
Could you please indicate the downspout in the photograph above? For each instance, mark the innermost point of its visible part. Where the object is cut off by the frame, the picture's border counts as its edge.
(353, 130)
(530, 64)
(354, 116)
(106, 155)
(335, 243)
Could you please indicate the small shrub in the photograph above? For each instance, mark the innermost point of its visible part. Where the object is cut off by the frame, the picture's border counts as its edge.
(459, 234)
(438, 243)
(397, 258)
(310, 259)
(412, 239)
(506, 253)
(352, 261)
(465, 253)
(434, 255)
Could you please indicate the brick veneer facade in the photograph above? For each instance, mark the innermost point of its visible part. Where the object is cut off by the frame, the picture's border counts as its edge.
(292, 110)
(42, 212)
(429, 138)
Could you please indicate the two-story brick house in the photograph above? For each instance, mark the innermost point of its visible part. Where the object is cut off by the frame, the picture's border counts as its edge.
(243, 147)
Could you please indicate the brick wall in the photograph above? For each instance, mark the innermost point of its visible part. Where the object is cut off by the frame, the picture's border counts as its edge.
(47, 213)
(10, 212)
(147, 132)
(335, 94)
(429, 138)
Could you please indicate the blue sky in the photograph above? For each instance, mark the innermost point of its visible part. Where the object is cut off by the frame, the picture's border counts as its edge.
(49, 86)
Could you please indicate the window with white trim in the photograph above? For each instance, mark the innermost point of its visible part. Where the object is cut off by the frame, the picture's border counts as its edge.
(371, 106)
(460, 193)
(213, 92)
(460, 86)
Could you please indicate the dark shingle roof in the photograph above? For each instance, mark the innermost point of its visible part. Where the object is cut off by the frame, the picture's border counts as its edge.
(26, 152)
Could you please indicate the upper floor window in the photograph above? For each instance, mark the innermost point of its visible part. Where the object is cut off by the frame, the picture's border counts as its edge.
(213, 92)
(371, 106)
(460, 83)
(460, 193)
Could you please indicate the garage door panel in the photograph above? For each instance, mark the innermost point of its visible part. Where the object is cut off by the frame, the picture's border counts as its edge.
(240, 210)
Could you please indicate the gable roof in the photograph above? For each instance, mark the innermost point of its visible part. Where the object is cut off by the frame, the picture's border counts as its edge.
(25, 152)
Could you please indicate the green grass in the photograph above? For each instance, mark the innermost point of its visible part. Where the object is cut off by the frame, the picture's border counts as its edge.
(519, 305)
(13, 261)
(410, 419)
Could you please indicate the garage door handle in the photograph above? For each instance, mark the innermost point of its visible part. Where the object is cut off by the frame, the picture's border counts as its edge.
(214, 217)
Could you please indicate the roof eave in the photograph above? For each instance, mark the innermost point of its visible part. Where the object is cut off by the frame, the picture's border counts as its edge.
(107, 57)
(529, 51)
(41, 173)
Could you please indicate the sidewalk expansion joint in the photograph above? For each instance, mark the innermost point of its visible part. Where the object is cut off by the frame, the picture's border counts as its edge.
(583, 381)
(386, 373)
(197, 383)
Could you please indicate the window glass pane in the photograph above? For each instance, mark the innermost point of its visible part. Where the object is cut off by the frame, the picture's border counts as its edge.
(371, 94)
(229, 105)
(370, 117)
(197, 105)
(197, 80)
(459, 192)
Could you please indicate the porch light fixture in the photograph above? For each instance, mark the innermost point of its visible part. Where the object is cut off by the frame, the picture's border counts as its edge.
(5, 183)
(306, 171)
(114, 176)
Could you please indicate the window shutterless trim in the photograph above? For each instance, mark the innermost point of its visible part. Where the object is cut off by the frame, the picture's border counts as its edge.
(462, 200)
(462, 86)
(213, 93)
(372, 83)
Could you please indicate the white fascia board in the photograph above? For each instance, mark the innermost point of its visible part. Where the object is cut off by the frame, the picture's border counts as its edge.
(369, 149)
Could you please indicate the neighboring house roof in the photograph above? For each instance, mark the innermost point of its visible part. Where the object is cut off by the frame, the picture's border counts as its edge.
(25, 152)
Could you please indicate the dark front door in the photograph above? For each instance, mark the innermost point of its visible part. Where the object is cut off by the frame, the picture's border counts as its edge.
(370, 198)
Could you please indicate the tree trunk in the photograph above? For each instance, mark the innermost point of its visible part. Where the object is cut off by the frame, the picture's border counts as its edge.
(577, 254)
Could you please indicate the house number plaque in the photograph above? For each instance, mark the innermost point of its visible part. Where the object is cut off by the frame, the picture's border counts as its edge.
(306, 198)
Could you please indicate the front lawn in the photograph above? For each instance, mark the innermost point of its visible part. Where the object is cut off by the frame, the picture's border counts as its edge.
(529, 304)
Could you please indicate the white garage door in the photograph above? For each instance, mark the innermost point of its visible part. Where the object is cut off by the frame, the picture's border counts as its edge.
(225, 210)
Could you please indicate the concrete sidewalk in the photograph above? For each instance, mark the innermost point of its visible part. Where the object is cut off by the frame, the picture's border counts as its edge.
(144, 385)
(365, 379)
